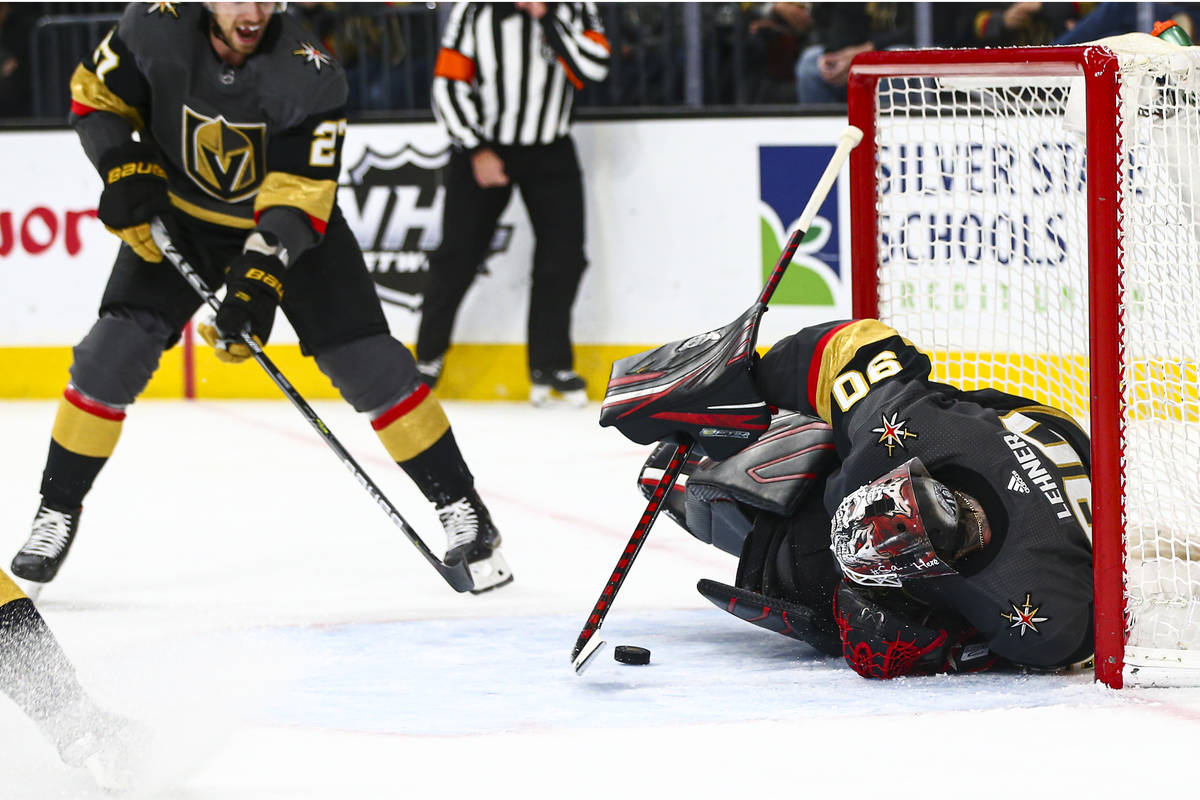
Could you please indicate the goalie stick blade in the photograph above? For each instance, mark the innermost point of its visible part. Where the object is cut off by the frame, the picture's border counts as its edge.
(773, 614)
(587, 655)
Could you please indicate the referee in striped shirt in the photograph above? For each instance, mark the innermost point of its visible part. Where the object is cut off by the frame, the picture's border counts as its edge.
(503, 89)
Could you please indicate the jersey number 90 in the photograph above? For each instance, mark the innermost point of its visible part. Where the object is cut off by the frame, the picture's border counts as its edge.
(852, 386)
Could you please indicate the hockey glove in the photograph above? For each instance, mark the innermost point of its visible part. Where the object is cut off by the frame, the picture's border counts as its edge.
(253, 291)
(887, 634)
(135, 191)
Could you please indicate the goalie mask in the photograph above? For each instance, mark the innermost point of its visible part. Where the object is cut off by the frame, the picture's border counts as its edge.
(905, 525)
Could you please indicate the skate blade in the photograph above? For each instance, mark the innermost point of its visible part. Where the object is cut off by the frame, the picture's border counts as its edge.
(490, 573)
(587, 655)
(543, 396)
(577, 398)
(32, 589)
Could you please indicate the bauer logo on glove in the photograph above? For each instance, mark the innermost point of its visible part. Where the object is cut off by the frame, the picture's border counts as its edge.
(132, 168)
(135, 191)
(253, 291)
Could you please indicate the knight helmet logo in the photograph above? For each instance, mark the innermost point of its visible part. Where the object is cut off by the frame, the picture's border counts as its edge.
(393, 204)
(225, 159)
(786, 174)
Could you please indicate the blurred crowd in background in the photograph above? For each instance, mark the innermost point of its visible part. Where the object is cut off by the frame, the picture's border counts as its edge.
(665, 54)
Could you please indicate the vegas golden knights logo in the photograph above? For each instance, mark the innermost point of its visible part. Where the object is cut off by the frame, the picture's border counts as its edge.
(225, 159)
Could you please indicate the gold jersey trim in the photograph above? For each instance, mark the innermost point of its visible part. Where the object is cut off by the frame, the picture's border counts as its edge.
(838, 351)
(90, 91)
(314, 197)
(215, 217)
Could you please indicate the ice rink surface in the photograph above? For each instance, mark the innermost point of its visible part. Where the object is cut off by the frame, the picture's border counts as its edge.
(237, 592)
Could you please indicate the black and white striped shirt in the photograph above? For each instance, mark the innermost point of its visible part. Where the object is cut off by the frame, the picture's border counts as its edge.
(503, 77)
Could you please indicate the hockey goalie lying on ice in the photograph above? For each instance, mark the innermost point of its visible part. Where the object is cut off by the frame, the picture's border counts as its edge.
(910, 526)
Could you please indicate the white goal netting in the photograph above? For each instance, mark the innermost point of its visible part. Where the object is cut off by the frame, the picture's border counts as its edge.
(983, 258)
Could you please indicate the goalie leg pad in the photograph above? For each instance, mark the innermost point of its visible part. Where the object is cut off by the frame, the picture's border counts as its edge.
(801, 566)
(774, 614)
(886, 634)
(778, 471)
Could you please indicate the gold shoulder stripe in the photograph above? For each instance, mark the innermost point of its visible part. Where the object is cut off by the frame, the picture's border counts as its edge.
(88, 90)
(838, 351)
(215, 217)
(1049, 411)
(314, 197)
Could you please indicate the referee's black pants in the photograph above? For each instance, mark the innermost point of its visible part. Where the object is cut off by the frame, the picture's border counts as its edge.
(551, 186)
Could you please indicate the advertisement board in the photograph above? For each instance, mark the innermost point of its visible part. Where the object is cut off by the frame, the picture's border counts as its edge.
(685, 217)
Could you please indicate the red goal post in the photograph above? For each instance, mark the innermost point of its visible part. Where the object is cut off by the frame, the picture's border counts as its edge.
(1025, 215)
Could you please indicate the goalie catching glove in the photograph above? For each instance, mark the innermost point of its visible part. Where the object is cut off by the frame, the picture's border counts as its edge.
(253, 290)
(135, 191)
(887, 634)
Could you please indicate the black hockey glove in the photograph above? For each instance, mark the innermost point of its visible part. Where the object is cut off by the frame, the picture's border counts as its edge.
(135, 191)
(253, 289)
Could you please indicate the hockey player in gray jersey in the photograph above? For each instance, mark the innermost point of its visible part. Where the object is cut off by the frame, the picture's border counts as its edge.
(239, 123)
(911, 526)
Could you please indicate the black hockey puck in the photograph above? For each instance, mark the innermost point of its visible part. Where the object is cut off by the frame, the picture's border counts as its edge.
(628, 654)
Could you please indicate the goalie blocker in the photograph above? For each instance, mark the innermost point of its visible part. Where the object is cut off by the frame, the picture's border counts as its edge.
(697, 390)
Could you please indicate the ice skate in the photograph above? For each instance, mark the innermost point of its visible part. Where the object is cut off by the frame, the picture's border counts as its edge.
(564, 382)
(471, 535)
(431, 370)
(39, 560)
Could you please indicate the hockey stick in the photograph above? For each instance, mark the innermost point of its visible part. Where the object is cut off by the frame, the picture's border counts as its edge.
(458, 576)
(588, 644)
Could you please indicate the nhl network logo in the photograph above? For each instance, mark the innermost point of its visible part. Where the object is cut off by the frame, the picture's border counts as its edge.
(393, 204)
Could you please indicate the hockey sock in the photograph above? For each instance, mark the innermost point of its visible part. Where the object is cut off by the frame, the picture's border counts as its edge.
(417, 435)
(85, 434)
(440, 471)
(34, 671)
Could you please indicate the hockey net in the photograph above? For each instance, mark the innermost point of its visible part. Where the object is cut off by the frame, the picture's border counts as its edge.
(1026, 216)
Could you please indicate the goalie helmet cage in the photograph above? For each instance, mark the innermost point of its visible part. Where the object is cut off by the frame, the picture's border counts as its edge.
(1026, 216)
